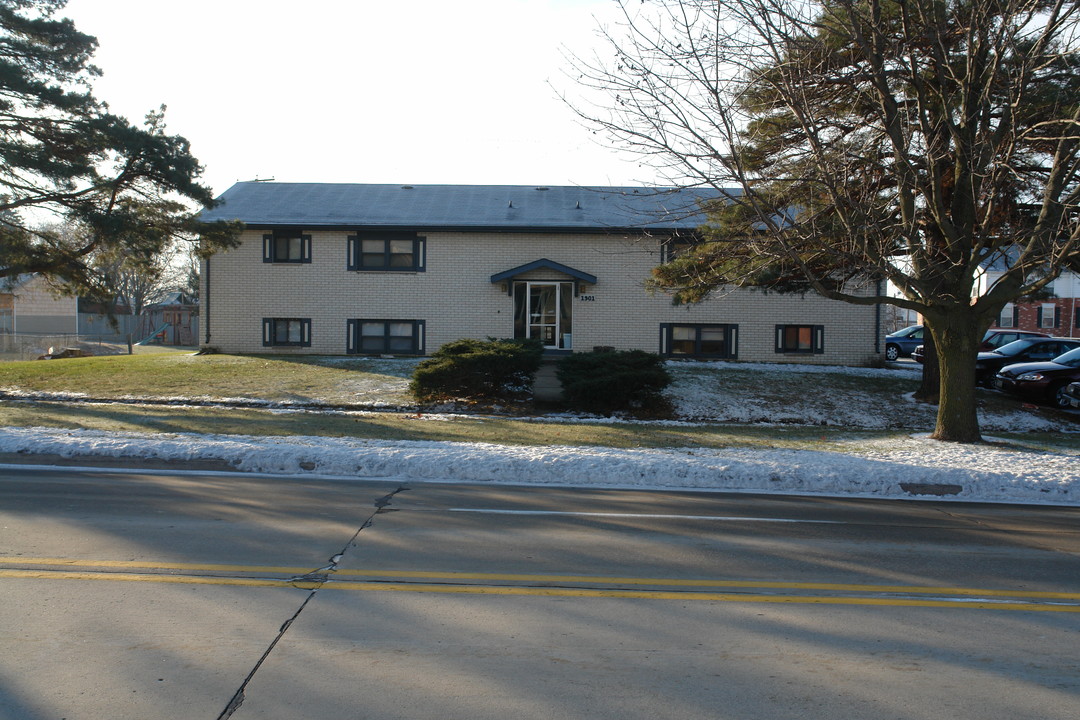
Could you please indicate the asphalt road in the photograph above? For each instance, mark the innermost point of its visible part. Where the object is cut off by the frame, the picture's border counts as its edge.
(210, 596)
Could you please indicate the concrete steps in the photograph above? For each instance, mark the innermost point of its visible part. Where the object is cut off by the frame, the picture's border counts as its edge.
(546, 387)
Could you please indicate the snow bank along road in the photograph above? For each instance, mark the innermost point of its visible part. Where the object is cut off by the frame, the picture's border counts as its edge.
(908, 467)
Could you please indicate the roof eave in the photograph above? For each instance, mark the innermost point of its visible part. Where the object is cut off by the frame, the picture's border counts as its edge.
(532, 229)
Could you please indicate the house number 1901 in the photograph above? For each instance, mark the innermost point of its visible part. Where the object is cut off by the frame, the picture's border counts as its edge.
(587, 298)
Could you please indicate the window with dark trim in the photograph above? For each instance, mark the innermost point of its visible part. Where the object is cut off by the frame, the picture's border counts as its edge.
(385, 337)
(712, 340)
(1048, 315)
(800, 339)
(1010, 316)
(676, 245)
(387, 252)
(287, 332)
(286, 246)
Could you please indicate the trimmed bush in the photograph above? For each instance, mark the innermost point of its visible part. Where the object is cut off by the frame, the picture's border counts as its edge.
(603, 382)
(478, 370)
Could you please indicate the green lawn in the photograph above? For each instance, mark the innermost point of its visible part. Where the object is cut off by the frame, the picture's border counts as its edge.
(790, 400)
(408, 426)
(276, 379)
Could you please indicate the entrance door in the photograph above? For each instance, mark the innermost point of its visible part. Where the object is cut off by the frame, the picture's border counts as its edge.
(543, 312)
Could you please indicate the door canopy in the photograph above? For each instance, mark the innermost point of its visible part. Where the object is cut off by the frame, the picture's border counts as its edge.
(508, 276)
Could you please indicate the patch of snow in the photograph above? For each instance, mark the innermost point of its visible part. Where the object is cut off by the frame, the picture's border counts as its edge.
(702, 393)
(862, 469)
(780, 368)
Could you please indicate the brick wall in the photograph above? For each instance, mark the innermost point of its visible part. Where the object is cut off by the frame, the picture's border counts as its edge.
(455, 297)
(1029, 315)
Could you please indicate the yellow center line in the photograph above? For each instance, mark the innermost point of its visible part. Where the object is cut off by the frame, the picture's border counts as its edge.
(540, 591)
(516, 577)
(103, 570)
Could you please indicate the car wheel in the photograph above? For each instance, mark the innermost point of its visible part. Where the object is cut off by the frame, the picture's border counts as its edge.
(1057, 395)
(892, 352)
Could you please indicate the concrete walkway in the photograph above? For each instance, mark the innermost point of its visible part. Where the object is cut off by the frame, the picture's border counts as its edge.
(546, 386)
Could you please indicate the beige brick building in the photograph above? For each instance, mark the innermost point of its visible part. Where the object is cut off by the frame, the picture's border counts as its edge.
(379, 269)
(29, 306)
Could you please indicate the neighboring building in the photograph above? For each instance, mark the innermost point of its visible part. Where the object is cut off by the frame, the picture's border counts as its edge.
(28, 306)
(391, 269)
(1059, 315)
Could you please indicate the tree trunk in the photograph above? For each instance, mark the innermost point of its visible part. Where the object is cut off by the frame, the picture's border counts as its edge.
(930, 387)
(957, 337)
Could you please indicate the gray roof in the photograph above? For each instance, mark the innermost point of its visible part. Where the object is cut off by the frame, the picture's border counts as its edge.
(461, 207)
(1001, 260)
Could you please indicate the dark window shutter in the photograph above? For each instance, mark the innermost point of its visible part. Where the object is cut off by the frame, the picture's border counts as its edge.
(268, 248)
(1016, 316)
(1038, 317)
(268, 332)
(1057, 316)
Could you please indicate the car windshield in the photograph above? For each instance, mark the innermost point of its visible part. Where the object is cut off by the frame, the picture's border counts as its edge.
(1015, 347)
(907, 331)
(1071, 358)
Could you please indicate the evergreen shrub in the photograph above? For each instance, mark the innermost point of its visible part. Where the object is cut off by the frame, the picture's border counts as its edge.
(607, 381)
(478, 370)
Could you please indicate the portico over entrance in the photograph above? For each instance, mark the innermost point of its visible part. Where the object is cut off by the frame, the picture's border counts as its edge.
(543, 292)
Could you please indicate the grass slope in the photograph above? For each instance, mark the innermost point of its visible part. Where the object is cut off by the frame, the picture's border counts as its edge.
(805, 409)
(275, 379)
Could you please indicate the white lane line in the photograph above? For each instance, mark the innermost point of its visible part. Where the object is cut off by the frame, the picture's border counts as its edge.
(658, 516)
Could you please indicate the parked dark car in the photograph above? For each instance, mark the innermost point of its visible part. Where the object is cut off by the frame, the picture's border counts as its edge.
(902, 342)
(1029, 350)
(1072, 394)
(992, 340)
(1042, 381)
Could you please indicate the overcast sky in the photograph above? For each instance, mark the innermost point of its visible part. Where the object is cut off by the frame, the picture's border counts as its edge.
(421, 91)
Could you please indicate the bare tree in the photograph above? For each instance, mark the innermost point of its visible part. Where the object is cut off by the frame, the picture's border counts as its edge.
(134, 280)
(858, 141)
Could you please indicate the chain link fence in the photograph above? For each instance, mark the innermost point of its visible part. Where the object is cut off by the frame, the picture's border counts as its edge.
(31, 346)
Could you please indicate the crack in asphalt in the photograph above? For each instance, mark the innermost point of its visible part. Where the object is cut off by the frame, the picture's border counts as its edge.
(319, 575)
